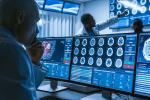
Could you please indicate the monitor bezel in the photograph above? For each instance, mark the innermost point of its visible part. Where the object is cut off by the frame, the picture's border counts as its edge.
(104, 88)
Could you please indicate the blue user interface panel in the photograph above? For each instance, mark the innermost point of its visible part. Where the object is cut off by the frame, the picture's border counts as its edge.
(71, 8)
(142, 83)
(40, 3)
(141, 10)
(57, 56)
(105, 61)
(54, 5)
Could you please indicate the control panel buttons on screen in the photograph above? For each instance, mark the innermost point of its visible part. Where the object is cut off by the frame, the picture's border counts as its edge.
(82, 60)
(101, 42)
(75, 60)
(76, 51)
(84, 42)
(90, 61)
(121, 41)
(108, 62)
(91, 51)
(100, 51)
(99, 62)
(146, 50)
(83, 51)
(118, 63)
(119, 51)
(109, 52)
(92, 42)
(77, 42)
(110, 41)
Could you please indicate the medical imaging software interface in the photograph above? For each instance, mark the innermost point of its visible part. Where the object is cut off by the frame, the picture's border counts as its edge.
(57, 56)
(142, 83)
(105, 61)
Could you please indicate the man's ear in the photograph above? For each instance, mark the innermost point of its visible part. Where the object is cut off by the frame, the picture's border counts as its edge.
(20, 17)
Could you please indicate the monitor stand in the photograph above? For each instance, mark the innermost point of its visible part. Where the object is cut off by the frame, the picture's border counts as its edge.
(104, 95)
(51, 87)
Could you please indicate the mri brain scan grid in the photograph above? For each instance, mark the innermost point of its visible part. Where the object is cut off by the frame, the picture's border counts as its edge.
(101, 52)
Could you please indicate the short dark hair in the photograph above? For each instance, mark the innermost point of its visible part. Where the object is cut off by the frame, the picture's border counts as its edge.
(85, 18)
(138, 25)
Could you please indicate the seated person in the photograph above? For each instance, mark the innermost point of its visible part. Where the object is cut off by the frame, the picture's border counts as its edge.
(91, 29)
(19, 76)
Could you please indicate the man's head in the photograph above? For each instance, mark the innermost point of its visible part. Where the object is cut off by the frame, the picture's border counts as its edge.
(88, 20)
(138, 26)
(19, 17)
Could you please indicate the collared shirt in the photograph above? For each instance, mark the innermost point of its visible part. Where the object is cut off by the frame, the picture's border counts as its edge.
(97, 28)
(18, 77)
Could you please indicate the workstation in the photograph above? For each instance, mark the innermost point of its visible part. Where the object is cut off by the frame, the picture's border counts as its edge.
(79, 50)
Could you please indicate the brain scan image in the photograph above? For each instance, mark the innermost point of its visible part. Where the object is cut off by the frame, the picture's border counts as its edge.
(49, 48)
(128, 12)
(110, 41)
(100, 51)
(82, 60)
(118, 63)
(134, 2)
(77, 42)
(91, 51)
(119, 6)
(119, 51)
(143, 9)
(99, 62)
(76, 51)
(83, 51)
(109, 52)
(112, 1)
(75, 60)
(142, 2)
(90, 61)
(101, 42)
(112, 14)
(118, 12)
(146, 50)
(84, 42)
(108, 62)
(112, 7)
(121, 41)
(134, 11)
(92, 42)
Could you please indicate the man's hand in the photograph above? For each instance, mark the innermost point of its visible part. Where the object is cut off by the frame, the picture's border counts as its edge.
(36, 51)
(123, 14)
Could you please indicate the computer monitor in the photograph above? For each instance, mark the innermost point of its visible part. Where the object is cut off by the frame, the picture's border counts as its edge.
(54, 5)
(71, 8)
(40, 3)
(142, 83)
(57, 57)
(105, 61)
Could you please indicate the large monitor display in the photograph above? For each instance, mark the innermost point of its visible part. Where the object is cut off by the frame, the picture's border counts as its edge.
(136, 9)
(105, 61)
(54, 5)
(71, 8)
(57, 56)
(142, 83)
(40, 3)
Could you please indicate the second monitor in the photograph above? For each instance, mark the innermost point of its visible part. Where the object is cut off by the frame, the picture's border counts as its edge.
(105, 61)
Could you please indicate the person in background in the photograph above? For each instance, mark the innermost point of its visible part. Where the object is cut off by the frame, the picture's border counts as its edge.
(20, 71)
(138, 26)
(91, 28)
